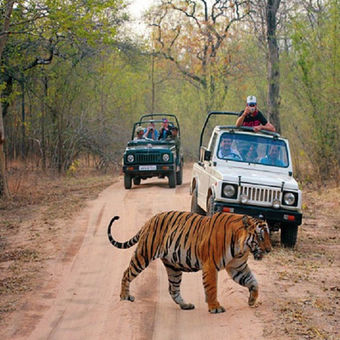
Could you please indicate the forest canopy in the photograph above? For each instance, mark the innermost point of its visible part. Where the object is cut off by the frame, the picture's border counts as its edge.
(73, 78)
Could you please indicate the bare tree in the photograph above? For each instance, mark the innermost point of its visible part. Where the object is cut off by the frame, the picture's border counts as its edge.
(191, 33)
(266, 16)
(273, 98)
(7, 10)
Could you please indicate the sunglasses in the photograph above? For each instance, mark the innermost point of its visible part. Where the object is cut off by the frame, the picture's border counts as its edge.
(252, 104)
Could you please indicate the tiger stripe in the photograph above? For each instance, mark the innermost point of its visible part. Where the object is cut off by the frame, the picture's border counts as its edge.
(188, 242)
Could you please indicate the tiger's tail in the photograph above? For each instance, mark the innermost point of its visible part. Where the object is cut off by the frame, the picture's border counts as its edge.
(120, 245)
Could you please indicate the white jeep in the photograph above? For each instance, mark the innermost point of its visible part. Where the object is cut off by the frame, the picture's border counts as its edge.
(249, 173)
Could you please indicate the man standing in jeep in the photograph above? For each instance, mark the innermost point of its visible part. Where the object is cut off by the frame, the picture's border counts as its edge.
(252, 117)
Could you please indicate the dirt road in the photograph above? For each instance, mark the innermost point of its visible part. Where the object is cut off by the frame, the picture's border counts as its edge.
(79, 298)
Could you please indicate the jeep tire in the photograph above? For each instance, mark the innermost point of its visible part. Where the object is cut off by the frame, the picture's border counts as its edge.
(136, 180)
(289, 235)
(195, 208)
(127, 181)
(172, 179)
(210, 205)
(179, 176)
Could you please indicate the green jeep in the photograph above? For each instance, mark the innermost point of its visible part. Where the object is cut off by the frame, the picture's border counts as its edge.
(150, 154)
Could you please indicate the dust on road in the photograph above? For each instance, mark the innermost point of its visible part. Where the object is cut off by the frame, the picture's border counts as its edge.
(79, 298)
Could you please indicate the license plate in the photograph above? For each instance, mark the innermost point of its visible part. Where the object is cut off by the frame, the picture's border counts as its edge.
(147, 167)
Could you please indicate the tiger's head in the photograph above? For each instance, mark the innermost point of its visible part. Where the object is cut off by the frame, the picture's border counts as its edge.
(258, 240)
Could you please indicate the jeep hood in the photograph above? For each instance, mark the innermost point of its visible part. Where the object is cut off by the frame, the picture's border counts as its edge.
(258, 177)
(149, 147)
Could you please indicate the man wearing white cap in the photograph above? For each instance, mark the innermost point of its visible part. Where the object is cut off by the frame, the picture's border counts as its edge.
(252, 117)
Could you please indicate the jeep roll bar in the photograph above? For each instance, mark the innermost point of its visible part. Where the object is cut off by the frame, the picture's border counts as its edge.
(233, 127)
(250, 129)
(140, 122)
(163, 115)
(217, 113)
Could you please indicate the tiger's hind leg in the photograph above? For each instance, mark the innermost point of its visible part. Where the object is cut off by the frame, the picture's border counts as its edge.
(243, 276)
(137, 264)
(175, 279)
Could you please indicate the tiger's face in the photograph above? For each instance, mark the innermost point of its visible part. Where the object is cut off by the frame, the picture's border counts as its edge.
(263, 239)
(259, 241)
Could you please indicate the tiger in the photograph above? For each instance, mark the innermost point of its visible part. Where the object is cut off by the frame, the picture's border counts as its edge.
(189, 242)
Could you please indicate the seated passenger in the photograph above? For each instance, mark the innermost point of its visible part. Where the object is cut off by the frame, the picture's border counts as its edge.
(139, 133)
(164, 131)
(251, 154)
(273, 157)
(226, 151)
(150, 132)
(174, 137)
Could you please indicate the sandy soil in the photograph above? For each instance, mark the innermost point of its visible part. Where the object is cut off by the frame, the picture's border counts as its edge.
(76, 289)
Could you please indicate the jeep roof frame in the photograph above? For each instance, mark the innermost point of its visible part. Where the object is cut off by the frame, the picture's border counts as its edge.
(140, 122)
(164, 115)
(231, 127)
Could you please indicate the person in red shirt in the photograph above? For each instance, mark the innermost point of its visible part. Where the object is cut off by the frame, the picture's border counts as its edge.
(254, 118)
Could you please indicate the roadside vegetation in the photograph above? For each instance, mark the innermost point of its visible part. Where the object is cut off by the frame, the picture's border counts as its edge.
(73, 79)
(29, 231)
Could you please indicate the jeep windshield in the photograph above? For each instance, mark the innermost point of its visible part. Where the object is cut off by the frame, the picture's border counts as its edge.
(154, 130)
(255, 149)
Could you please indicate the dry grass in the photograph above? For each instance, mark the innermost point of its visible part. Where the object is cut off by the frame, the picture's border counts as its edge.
(305, 290)
(302, 296)
(28, 226)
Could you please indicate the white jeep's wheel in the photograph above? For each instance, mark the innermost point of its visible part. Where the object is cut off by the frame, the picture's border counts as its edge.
(210, 206)
(195, 208)
(289, 235)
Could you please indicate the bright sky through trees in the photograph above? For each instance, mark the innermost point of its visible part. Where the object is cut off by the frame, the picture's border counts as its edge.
(136, 10)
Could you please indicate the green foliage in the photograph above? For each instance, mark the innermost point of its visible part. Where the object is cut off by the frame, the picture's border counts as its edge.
(312, 87)
(84, 89)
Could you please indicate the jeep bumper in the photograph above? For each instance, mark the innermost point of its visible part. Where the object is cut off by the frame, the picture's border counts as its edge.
(148, 170)
(270, 214)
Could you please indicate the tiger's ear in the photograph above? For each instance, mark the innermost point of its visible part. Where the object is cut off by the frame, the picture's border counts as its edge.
(245, 220)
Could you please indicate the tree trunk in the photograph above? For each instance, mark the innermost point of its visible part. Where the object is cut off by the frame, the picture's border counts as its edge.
(42, 121)
(4, 192)
(273, 98)
(23, 121)
(60, 143)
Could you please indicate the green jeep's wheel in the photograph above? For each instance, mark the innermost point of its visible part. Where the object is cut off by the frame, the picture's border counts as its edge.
(136, 180)
(179, 176)
(172, 180)
(289, 235)
(195, 208)
(127, 181)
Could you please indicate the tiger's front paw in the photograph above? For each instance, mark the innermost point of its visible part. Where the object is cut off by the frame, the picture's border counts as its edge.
(127, 298)
(254, 293)
(187, 306)
(252, 301)
(216, 310)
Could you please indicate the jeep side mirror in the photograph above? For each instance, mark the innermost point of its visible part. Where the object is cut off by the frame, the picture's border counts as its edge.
(205, 155)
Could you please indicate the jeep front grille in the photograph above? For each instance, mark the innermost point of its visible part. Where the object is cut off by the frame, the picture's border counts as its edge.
(145, 158)
(260, 195)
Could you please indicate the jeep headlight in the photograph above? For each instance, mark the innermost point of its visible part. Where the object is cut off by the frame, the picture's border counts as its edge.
(166, 157)
(229, 191)
(289, 198)
(130, 158)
